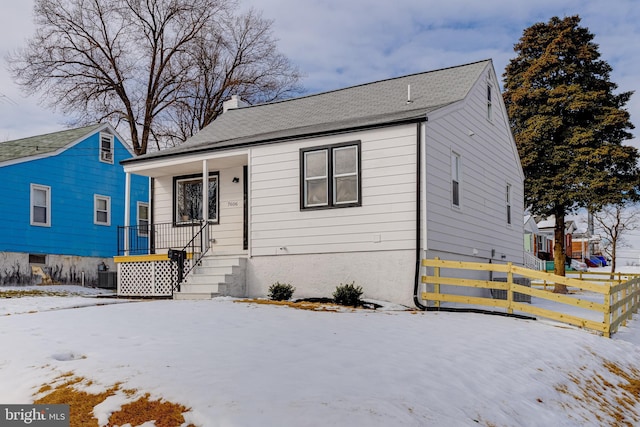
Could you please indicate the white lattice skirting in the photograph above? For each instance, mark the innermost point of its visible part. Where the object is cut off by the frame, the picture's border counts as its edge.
(147, 278)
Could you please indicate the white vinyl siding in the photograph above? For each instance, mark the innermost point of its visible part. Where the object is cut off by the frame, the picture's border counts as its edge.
(102, 210)
(40, 205)
(228, 231)
(489, 159)
(386, 219)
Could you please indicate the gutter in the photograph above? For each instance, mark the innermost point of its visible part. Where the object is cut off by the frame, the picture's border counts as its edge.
(251, 141)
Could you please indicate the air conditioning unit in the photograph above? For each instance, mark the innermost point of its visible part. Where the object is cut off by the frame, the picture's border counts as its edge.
(106, 156)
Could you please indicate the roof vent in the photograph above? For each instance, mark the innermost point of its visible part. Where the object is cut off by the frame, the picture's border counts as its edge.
(409, 100)
(234, 102)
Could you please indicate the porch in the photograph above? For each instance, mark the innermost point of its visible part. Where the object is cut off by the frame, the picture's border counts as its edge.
(193, 241)
(176, 262)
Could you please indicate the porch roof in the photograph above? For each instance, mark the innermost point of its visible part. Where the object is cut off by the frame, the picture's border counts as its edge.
(397, 100)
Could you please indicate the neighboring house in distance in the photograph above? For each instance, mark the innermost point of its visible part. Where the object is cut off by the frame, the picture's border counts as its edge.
(546, 228)
(63, 197)
(534, 243)
(353, 185)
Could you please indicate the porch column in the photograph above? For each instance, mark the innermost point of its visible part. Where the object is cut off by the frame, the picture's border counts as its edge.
(127, 211)
(205, 190)
(204, 238)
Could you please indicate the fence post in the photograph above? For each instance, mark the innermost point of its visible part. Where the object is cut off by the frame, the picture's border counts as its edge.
(510, 290)
(436, 286)
(607, 313)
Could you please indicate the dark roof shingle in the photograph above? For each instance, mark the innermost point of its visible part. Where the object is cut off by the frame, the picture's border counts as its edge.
(364, 105)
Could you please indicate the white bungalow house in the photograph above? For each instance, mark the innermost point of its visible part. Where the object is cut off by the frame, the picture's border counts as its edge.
(353, 185)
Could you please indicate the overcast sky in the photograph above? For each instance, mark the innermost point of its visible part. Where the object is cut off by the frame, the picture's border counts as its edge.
(338, 43)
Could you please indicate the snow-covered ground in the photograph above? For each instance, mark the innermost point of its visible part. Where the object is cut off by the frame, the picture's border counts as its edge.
(242, 364)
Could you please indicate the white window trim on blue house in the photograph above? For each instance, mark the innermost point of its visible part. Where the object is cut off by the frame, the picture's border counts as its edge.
(106, 148)
(36, 203)
(97, 210)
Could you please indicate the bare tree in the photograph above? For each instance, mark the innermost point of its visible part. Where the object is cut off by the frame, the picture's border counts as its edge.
(237, 57)
(613, 222)
(143, 63)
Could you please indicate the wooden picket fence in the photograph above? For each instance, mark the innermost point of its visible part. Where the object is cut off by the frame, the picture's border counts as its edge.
(602, 306)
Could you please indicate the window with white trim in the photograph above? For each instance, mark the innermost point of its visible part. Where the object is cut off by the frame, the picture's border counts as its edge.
(455, 179)
(101, 210)
(143, 218)
(106, 148)
(508, 199)
(330, 176)
(188, 198)
(40, 205)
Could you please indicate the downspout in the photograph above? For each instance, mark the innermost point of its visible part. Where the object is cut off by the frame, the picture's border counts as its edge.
(417, 278)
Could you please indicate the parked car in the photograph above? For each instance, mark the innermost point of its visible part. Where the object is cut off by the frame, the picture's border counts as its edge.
(592, 263)
(578, 265)
(603, 259)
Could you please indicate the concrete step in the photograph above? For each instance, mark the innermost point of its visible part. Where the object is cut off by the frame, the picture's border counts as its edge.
(213, 271)
(209, 261)
(210, 287)
(206, 279)
(194, 295)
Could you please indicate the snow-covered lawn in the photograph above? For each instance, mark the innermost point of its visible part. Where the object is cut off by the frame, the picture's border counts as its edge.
(243, 364)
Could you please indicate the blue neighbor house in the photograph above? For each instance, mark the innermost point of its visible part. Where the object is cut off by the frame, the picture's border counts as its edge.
(63, 197)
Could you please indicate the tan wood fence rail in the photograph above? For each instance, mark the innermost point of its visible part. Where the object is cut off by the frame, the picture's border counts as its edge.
(615, 301)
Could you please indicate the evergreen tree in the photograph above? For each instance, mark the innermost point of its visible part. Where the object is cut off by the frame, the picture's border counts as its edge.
(569, 125)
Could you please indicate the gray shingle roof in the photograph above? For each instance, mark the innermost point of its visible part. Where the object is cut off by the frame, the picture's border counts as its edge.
(368, 104)
(42, 144)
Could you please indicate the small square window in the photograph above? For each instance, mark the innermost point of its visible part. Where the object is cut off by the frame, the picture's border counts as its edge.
(102, 210)
(40, 205)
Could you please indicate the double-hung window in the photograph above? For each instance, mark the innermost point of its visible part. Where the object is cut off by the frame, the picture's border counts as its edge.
(40, 201)
(106, 148)
(330, 176)
(102, 210)
(143, 219)
(188, 198)
(455, 179)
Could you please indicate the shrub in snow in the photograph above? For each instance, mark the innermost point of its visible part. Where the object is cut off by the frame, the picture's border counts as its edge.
(281, 291)
(348, 294)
